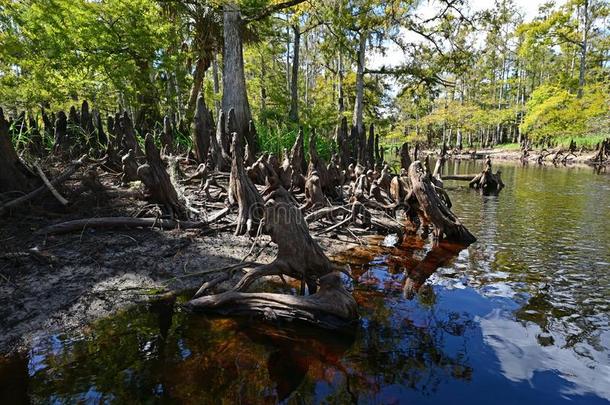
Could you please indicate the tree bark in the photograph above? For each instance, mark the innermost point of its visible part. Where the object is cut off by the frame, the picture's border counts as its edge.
(342, 139)
(234, 81)
(299, 257)
(157, 181)
(13, 175)
(358, 120)
(202, 65)
(583, 50)
(244, 192)
(293, 115)
(202, 130)
(446, 224)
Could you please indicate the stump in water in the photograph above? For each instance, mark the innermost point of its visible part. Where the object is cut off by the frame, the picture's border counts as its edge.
(13, 174)
(299, 257)
(486, 181)
(603, 152)
(157, 181)
(243, 191)
(447, 225)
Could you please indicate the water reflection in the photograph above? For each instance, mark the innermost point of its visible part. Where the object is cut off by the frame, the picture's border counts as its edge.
(520, 316)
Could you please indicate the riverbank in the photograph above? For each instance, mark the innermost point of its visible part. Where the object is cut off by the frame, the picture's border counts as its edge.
(510, 153)
(53, 283)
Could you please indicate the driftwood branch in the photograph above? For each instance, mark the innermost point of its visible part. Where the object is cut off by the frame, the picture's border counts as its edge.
(119, 222)
(52, 189)
(58, 180)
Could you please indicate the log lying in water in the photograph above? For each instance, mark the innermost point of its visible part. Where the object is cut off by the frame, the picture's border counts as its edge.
(460, 177)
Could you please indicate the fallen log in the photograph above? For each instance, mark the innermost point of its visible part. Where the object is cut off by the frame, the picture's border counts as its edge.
(118, 222)
(459, 177)
(332, 307)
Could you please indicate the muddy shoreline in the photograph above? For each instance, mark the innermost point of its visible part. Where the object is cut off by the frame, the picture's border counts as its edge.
(52, 283)
(62, 282)
(79, 278)
(581, 159)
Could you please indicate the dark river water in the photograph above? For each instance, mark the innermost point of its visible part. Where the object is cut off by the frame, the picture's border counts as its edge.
(521, 316)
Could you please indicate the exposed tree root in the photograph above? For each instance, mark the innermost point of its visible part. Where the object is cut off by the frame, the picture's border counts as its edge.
(446, 224)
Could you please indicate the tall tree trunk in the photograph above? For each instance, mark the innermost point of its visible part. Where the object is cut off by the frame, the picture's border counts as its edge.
(583, 50)
(340, 84)
(357, 120)
(263, 89)
(216, 84)
(294, 82)
(203, 64)
(234, 80)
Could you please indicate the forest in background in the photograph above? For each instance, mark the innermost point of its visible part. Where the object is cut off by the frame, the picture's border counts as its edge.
(470, 78)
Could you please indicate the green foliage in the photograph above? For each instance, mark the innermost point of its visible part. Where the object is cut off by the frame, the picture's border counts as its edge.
(554, 112)
(63, 50)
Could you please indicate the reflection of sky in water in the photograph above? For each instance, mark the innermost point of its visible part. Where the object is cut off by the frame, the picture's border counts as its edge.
(521, 355)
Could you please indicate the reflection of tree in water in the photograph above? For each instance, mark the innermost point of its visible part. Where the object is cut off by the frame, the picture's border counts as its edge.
(156, 352)
(393, 349)
(440, 255)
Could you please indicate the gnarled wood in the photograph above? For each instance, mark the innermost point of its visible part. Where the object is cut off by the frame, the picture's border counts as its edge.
(62, 140)
(299, 257)
(446, 224)
(128, 133)
(202, 130)
(405, 159)
(244, 192)
(332, 307)
(159, 187)
(167, 136)
(486, 181)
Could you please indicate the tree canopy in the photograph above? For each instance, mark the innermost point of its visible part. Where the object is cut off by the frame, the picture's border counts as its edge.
(488, 75)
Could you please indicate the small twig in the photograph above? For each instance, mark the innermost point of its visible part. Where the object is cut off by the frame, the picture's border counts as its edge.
(52, 189)
(337, 225)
